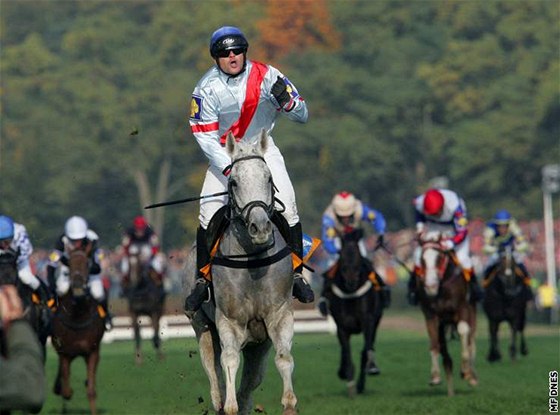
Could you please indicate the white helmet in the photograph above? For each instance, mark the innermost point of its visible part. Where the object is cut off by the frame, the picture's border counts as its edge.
(344, 204)
(76, 228)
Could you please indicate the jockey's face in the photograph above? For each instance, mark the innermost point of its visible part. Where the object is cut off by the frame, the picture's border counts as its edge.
(139, 232)
(77, 243)
(5, 243)
(503, 229)
(233, 63)
(346, 220)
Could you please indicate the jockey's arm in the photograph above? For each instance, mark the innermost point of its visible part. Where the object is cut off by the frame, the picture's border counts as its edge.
(460, 223)
(490, 247)
(331, 242)
(205, 128)
(520, 243)
(375, 218)
(296, 110)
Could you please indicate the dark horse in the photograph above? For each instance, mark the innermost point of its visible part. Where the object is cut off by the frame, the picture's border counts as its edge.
(144, 291)
(355, 303)
(443, 296)
(77, 329)
(36, 313)
(505, 300)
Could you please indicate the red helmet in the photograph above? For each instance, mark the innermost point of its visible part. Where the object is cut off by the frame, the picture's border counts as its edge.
(140, 223)
(433, 202)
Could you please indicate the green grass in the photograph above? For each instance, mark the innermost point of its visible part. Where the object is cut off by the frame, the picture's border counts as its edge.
(178, 385)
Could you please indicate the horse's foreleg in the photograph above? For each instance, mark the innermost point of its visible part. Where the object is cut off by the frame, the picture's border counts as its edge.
(513, 343)
(157, 339)
(254, 365)
(208, 357)
(281, 332)
(494, 353)
(92, 361)
(231, 339)
(137, 340)
(64, 370)
(466, 334)
(435, 374)
(447, 361)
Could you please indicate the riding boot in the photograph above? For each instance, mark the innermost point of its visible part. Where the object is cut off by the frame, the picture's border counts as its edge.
(384, 293)
(44, 294)
(529, 296)
(476, 293)
(51, 281)
(301, 290)
(107, 318)
(200, 292)
(412, 294)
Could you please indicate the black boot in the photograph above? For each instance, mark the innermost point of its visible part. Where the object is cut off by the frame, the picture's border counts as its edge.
(200, 292)
(384, 293)
(108, 319)
(476, 293)
(301, 290)
(412, 294)
(44, 294)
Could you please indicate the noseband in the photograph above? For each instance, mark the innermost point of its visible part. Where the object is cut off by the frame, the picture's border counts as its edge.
(238, 212)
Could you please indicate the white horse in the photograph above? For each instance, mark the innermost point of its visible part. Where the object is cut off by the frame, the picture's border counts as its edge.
(252, 286)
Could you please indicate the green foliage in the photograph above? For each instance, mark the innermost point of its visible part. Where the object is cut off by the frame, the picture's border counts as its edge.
(95, 97)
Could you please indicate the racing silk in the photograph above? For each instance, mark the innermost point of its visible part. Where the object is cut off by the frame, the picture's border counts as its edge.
(332, 228)
(493, 241)
(21, 245)
(64, 246)
(242, 104)
(149, 237)
(453, 217)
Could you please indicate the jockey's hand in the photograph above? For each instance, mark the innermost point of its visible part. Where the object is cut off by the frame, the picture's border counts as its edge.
(280, 92)
(447, 245)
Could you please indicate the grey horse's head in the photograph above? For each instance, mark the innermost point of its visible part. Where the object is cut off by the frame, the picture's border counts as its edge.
(251, 190)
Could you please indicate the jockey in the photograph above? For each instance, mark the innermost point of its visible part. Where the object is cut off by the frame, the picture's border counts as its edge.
(78, 235)
(501, 232)
(345, 214)
(14, 240)
(443, 210)
(243, 97)
(143, 235)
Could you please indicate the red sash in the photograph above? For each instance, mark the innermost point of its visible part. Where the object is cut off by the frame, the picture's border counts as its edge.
(239, 127)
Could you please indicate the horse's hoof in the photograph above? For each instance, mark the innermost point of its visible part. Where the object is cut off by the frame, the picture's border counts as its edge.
(473, 381)
(435, 381)
(524, 351)
(372, 371)
(494, 357)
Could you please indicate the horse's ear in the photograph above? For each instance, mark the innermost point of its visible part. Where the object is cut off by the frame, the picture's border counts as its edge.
(230, 143)
(263, 141)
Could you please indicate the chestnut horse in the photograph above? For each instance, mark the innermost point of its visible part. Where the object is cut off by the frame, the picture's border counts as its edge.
(146, 296)
(77, 330)
(443, 297)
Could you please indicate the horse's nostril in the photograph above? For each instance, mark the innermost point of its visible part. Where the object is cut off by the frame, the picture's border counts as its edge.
(253, 229)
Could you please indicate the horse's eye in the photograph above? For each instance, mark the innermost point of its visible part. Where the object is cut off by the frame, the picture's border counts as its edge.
(233, 183)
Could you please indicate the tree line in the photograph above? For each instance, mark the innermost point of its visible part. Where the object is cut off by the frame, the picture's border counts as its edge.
(95, 100)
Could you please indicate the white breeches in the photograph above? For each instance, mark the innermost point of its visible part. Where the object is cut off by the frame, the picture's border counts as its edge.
(461, 250)
(215, 182)
(95, 284)
(27, 277)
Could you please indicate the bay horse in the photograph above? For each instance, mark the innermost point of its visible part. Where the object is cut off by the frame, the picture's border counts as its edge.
(144, 291)
(443, 297)
(252, 289)
(356, 307)
(77, 329)
(35, 312)
(505, 300)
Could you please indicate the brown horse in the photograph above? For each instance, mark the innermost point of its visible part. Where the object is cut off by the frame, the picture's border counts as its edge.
(146, 296)
(505, 299)
(77, 330)
(443, 298)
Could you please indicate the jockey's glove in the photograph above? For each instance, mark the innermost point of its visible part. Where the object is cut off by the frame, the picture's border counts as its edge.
(448, 245)
(280, 92)
(380, 240)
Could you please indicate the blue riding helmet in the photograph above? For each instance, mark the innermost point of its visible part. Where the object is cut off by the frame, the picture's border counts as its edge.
(6, 227)
(502, 217)
(227, 38)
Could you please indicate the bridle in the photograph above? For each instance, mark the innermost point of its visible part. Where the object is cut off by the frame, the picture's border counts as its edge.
(242, 213)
